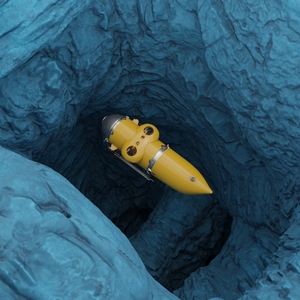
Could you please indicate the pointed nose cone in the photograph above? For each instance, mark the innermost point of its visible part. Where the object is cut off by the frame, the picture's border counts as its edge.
(197, 185)
(209, 190)
(202, 186)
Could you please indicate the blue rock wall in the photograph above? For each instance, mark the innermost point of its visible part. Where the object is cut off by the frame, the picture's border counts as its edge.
(221, 82)
(56, 243)
(26, 29)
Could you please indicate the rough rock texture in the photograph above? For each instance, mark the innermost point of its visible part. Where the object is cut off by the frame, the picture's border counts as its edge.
(28, 28)
(128, 206)
(181, 235)
(220, 79)
(49, 230)
(246, 253)
(281, 278)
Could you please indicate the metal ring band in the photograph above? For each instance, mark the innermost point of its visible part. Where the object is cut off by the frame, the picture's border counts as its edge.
(156, 157)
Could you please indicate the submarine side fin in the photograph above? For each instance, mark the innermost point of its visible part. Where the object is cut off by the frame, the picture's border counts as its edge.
(136, 121)
(148, 177)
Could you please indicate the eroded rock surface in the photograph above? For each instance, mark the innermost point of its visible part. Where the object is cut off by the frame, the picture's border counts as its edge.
(57, 244)
(218, 78)
(182, 234)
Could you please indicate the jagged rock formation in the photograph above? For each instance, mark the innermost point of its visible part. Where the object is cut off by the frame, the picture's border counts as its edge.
(219, 78)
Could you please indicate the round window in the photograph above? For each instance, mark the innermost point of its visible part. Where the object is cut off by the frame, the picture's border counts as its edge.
(131, 151)
(148, 130)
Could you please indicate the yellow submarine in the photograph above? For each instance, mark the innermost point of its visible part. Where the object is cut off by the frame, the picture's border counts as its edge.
(135, 143)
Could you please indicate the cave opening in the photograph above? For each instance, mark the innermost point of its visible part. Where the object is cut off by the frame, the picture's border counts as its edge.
(215, 79)
(128, 200)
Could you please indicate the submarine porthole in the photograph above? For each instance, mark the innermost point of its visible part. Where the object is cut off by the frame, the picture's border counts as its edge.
(131, 150)
(148, 130)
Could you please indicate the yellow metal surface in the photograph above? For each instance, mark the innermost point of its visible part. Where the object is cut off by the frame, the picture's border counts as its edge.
(174, 170)
(139, 141)
(139, 145)
(125, 130)
(150, 152)
(178, 173)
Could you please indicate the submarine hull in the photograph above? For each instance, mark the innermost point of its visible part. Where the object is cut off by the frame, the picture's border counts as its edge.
(140, 144)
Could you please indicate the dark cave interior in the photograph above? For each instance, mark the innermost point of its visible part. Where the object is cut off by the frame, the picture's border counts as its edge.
(219, 80)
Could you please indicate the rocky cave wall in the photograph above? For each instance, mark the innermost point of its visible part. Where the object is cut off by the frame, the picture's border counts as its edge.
(220, 81)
